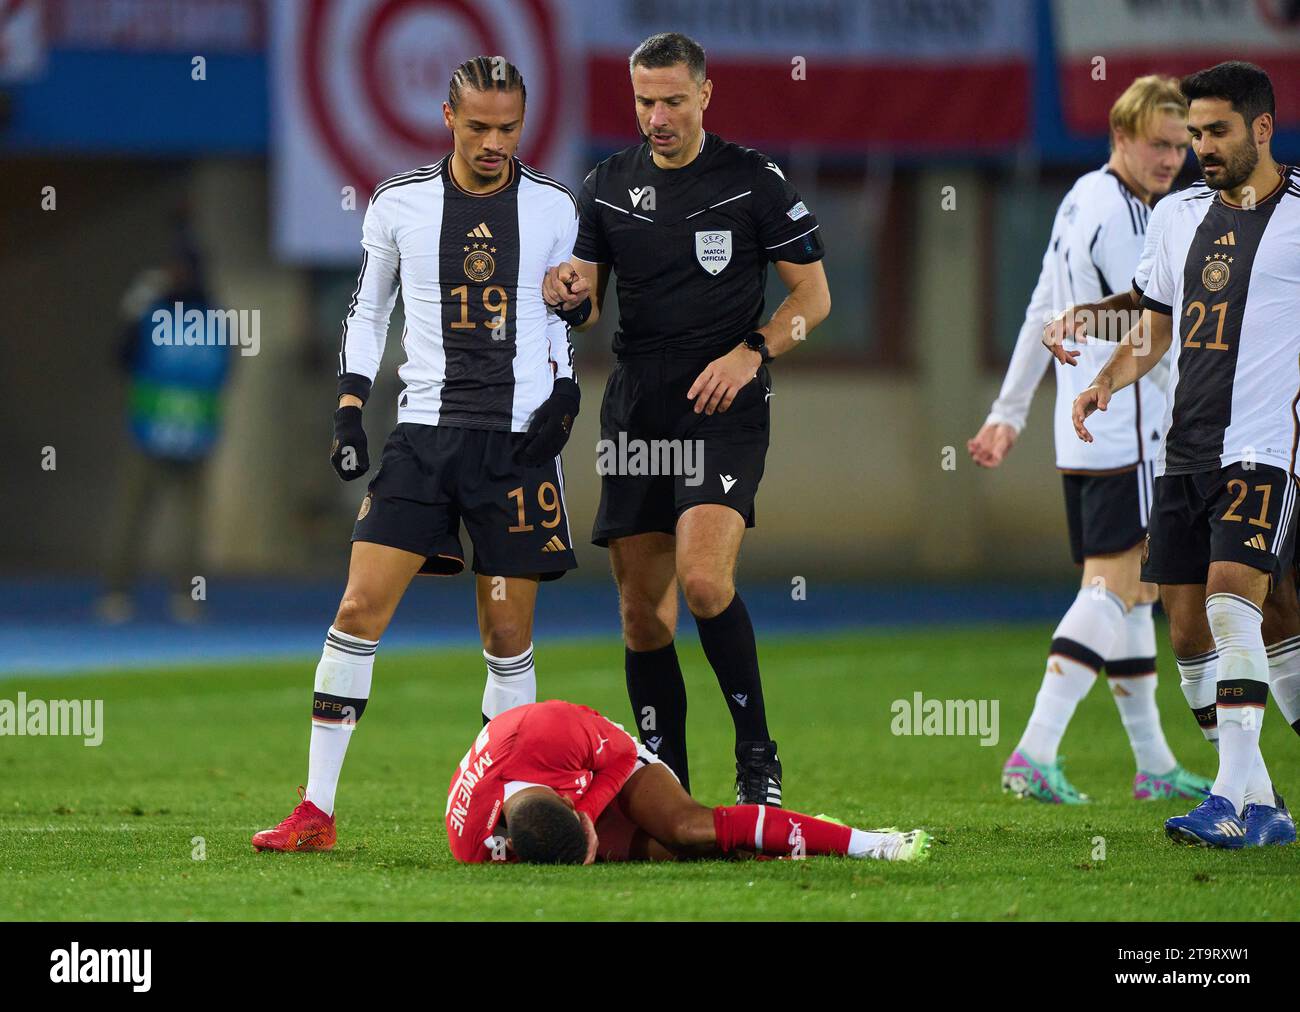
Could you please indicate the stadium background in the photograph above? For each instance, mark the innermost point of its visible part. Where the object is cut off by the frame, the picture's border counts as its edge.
(872, 108)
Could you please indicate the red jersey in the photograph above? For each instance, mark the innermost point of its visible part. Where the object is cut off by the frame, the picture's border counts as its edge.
(569, 748)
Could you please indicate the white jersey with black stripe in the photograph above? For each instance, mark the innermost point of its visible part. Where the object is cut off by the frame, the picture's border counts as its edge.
(482, 349)
(1097, 239)
(1230, 278)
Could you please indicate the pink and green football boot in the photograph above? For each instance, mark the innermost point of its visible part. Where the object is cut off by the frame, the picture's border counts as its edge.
(1025, 778)
(1177, 783)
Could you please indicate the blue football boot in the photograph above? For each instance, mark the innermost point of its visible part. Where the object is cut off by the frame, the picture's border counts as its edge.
(1212, 823)
(1269, 826)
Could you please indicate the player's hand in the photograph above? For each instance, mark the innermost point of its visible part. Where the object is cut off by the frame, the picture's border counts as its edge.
(551, 424)
(349, 455)
(564, 287)
(1064, 325)
(723, 378)
(592, 840)
(991, 444)
(1094, 398)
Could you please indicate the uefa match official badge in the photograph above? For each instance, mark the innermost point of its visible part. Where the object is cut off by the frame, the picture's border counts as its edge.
(713, 250)
(1216, 273)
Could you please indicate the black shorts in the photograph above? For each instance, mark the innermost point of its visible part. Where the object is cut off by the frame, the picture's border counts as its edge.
(657, 458)
(1107, 513)
(432, 476)
(1231, 514)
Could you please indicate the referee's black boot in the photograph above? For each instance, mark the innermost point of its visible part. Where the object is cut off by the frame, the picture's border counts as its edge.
(758, 774)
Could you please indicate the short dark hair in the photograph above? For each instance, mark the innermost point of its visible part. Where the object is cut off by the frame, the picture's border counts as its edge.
(544, 830)
(485, 73)
(667, 49)
(1242, 84)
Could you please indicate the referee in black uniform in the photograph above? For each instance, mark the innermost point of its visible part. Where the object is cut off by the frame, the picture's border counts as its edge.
(688, 223)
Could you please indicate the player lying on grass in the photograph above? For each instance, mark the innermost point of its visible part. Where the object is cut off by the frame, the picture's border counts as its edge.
(557, 783)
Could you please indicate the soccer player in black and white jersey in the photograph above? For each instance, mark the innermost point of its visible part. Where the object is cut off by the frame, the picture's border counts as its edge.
(1096, 241)
(488, 402)
(688, 223)
(1224, 283)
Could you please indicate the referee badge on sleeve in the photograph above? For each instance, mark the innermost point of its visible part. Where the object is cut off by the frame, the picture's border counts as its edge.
(713, 250)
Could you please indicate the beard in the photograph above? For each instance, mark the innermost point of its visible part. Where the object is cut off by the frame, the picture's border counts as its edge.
(1237, 166)
(482, 180)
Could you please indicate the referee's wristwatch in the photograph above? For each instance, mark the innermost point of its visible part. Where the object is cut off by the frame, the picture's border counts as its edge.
(755, 341)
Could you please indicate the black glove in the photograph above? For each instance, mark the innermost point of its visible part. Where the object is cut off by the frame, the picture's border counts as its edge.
(551, 424)
(349, 455)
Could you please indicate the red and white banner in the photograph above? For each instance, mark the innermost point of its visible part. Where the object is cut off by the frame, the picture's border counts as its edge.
(843, 74)
(1136, 37)
(357, 93)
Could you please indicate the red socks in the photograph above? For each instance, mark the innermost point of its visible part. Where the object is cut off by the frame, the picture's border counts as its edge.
(776, 831)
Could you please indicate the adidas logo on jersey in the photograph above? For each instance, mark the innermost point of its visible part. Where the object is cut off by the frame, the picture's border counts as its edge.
(1226, 240)
(1257, 542)
(480, 232)
(554, 545)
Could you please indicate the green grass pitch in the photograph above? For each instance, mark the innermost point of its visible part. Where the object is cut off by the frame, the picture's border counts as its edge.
(216, 751)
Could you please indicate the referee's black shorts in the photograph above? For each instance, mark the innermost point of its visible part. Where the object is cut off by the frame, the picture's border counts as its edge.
(658, 458)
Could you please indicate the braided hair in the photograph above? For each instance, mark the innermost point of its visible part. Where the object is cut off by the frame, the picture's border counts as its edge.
(485, 73)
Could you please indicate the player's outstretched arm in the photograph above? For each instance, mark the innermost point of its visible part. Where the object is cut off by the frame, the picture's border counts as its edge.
(1142, 348)
(1089, 319)
(998, 435)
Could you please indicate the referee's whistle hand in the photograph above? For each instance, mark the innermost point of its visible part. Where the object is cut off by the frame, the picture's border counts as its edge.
(722, 379)
(563, 286)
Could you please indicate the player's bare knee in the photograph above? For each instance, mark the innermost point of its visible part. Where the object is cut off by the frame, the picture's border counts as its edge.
(706, 593)
(358, 616)
(1190, 642)
(1281, 617)
(507, 639)
(645, 626)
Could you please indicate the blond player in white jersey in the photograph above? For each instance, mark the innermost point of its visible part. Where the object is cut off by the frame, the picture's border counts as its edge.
(1096, 243)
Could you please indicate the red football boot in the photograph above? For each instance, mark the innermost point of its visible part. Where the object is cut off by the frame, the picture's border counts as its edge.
(306, 828)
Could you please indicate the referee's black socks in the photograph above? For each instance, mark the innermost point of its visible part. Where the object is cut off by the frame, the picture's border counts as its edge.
(657, 692)
(728, 641)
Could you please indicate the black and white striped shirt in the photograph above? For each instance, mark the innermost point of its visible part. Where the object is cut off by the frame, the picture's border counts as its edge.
(482, 349)
(1230, 278)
